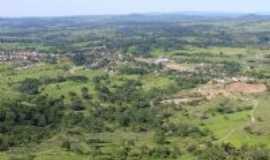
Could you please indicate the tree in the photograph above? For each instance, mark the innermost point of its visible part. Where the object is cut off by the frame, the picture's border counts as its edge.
(85, 93)
(30, 86)
(79, 59)
(160, 137)
(3, 143)
(77, 104)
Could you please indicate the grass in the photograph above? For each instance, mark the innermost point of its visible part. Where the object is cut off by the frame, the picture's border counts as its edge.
(225, 127)
(232, 126)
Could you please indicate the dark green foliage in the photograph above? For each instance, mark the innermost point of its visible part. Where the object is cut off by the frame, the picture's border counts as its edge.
(129, 91)
(77, 104)
(165, 152)
(85, 93)
(232, 67)
(30, 86)
(139, 68)
(40, 111)
(190, 80)
(228, 152)
(31, 115)
(160, 137)
(142, 117)
(60, 78)
(224, 108)
(228, 108)
(184, 130)
(80, 78)
(22, 157)
(79, 59)
(132, 70)
(4, 144)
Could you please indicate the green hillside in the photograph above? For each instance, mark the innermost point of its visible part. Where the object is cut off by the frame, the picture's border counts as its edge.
(135, 88)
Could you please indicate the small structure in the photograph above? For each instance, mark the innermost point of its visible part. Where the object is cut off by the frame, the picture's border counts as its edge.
(21, 56)
(162, 61)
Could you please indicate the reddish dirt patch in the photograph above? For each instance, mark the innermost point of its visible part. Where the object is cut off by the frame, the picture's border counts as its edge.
(211, 91)
(245, 87)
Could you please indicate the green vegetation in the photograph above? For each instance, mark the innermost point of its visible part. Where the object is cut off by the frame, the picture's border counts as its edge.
(135, 87)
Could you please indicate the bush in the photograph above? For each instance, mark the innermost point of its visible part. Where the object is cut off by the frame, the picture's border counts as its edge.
(227, 151)
(160, 137)
(30, 86)
(66, 144)
(85, 93)
(22, 157)
(4, 144)
(165, 152)
(77, 104)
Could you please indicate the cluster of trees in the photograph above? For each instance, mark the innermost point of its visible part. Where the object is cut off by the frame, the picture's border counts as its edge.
(232, 68)
(129, 91)
(32, 86)
(187, 80)
(138, 68)
(29, 86)
(184, 130)
(127, 69)
(227, 152)
(122, 105)
(94, 58)
(227, 108)
(27, 119)
(129, 151)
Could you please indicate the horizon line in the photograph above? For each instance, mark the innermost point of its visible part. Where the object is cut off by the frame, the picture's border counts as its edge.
(189, 13)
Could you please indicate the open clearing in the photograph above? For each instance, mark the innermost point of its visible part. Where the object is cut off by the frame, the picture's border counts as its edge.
(211, 91)
(245, 88)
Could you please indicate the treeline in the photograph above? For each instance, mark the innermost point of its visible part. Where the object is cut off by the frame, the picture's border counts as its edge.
(138, 35)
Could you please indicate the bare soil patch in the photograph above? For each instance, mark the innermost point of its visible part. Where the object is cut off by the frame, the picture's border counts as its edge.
(247, 88)
(182, 100)
(177, 67)
(211, 91)
(174, 66)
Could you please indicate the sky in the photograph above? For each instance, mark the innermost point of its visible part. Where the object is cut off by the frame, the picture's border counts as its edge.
(23, 8)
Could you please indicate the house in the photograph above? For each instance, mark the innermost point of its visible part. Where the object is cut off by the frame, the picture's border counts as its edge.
(20, 56)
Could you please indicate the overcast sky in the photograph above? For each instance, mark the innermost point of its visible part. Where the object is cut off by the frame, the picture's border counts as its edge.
(20, 8)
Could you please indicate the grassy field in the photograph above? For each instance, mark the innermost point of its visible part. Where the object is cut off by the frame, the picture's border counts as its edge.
(225, 128)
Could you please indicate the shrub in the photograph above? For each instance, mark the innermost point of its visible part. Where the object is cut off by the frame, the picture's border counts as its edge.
(4, 144)
(85, 93)
(30, 86)
(77, 104)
